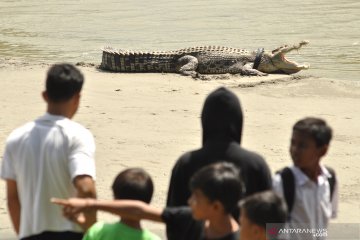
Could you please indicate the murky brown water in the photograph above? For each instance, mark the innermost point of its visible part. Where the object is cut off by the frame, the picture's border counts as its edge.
(68, 30)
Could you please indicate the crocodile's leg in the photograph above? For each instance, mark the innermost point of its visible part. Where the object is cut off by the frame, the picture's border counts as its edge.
(246, 69)
(188, 65)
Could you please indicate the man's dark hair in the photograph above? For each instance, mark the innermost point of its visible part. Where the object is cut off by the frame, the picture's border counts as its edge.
(134, 184)
(264, 207)
(316, 128)
(63, 81)
(219, 182)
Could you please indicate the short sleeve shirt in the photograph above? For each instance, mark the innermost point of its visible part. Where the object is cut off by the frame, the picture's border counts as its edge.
(118, 231)
(43, 157)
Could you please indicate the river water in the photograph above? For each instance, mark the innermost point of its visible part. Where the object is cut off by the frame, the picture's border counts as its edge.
(75, 30)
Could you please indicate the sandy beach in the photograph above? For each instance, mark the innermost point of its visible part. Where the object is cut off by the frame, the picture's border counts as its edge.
(160, 115)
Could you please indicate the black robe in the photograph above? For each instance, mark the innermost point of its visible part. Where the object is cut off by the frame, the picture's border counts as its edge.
(222, 121)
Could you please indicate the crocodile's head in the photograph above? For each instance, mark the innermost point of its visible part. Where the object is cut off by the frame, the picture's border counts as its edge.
(276, 62)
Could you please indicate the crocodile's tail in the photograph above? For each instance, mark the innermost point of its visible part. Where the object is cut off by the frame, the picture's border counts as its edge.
(129, 61)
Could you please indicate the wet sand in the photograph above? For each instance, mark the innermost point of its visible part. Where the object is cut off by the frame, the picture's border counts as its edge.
(149, 120)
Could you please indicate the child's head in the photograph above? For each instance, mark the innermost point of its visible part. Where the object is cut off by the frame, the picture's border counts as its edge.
(258, 210)
(134, 184)
(309, 142)
(216, 187)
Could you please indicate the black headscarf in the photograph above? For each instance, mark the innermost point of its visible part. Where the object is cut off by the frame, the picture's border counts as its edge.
(222, 117)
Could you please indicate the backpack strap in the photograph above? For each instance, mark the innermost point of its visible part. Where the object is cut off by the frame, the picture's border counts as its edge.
(288, 184)
(332, 181)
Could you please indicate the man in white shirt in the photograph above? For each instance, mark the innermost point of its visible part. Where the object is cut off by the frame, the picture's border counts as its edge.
(51, 156)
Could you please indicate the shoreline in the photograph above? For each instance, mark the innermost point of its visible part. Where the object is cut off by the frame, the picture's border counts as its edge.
(18, 62)
(160, 115)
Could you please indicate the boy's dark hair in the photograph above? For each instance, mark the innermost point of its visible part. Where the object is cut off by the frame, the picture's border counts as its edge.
(220, 181)
(264, 207)
(63, 81)
(316, 128)
(134, 184)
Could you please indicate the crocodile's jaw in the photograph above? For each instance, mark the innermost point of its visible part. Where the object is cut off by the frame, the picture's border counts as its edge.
(287, 66)
(278, 63)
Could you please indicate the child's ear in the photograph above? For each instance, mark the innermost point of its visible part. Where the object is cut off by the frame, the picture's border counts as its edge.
(217, 205)
(258, 232)
(323, 150)
(45, 96)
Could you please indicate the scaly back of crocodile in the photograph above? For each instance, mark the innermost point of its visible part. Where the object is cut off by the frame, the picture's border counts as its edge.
(137, 61)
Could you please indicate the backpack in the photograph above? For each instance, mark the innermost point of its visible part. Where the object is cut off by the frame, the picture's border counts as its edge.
(288, 184)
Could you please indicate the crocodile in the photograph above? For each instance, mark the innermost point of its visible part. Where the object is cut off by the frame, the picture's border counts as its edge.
(204, 60)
